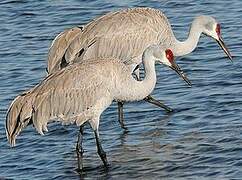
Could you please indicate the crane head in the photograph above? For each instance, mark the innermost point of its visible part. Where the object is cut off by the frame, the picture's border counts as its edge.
(166, 57)
(170, 62)
(212, 29)
(220, 41)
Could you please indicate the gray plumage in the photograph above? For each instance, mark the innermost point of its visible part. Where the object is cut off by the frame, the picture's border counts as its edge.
(127, 33)
(123, 35)
(82, 91)
(56, 59)
(66, 95)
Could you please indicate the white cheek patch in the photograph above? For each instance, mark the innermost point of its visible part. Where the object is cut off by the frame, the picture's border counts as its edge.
(166, 62)
(213, 32)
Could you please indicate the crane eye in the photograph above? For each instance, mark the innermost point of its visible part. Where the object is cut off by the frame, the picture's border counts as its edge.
(218, 30)
(169, 55)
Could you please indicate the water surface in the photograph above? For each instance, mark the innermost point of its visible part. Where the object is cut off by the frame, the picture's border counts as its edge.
(201, 139)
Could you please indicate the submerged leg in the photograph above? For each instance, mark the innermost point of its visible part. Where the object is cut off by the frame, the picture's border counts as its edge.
(135, 74)
(100, 150)
(157, 103)
(79, 149)
(121, 115)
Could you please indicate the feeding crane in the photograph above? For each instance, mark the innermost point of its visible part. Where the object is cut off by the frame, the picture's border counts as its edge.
(82, 91)
(125, 34)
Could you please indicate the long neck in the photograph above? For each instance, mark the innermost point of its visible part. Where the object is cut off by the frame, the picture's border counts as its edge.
(133, 90)
(181, 48)
(149, 81)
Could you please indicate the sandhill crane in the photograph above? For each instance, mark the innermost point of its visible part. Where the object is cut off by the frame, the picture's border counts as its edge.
(82, 91)
(125, 34)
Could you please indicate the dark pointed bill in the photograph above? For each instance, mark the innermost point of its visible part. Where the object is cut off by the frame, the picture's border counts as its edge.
(178, 70)
(223, 46)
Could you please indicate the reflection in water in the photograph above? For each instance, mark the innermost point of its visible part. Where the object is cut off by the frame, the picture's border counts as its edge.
(99, 171)
(153, 131)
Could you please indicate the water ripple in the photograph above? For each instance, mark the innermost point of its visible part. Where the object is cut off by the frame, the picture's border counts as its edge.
(201, 139)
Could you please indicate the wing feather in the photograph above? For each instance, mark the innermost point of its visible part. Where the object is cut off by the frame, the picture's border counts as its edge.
(124, 35)
(66, 94)
(59, 46)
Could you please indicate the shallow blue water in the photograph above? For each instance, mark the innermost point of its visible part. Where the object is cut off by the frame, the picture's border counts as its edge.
(201, 139)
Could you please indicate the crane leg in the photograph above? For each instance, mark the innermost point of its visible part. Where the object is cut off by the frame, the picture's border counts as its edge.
(151, 100)
(79, 149)
(121, 115)
(100, 150)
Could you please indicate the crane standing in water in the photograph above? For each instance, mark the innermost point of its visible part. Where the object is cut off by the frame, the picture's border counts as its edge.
(82, 91)
(125, 34)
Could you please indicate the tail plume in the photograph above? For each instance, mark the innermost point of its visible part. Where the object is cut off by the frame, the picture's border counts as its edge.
(18, 116)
